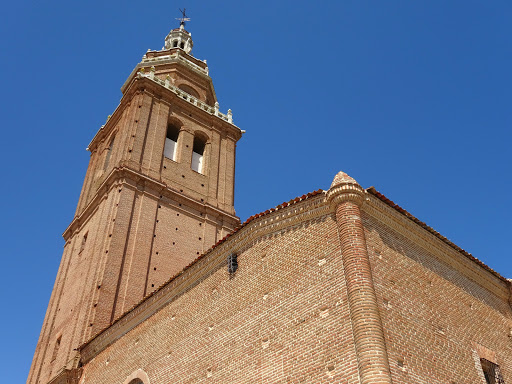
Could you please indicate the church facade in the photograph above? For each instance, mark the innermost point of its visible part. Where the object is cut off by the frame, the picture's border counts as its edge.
(160, 282)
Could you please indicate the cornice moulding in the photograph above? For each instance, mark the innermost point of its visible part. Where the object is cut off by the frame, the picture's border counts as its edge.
(172, 98)
(159, 85)
(340, 193)
(168, 59)
(154, 88)
(124, 176)
(442, 251)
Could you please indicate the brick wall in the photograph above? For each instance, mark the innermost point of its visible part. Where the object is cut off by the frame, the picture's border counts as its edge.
(285, 315)
(409, 306)
(434, 316)
(146, 217)
(282, 317)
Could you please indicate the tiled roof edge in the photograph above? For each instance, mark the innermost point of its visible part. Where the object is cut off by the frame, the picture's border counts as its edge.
(390, 203)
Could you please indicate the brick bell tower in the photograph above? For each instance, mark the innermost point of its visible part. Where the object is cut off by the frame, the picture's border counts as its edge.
(158, 192)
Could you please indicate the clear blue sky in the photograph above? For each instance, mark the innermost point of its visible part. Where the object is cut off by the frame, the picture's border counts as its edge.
(412, 97)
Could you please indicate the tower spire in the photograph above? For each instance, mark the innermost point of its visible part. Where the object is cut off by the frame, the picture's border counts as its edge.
(179, 37)
(158, 192)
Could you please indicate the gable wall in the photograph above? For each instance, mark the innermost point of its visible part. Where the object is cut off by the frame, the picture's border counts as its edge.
(433, 315)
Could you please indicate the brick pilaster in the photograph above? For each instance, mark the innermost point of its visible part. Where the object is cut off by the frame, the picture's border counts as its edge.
(346, 197)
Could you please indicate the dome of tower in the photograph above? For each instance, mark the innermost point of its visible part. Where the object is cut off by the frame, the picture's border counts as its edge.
(179, 38)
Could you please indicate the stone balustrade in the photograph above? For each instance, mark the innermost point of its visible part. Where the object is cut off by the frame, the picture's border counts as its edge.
(185, 96)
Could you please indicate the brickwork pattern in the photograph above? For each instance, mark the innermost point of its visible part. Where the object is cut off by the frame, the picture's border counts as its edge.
(283, 317)
(140, 219)
(352, 295)
(435, 317)
(364, 313)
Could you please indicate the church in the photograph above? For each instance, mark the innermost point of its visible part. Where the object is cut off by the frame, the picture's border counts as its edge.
(161, 283)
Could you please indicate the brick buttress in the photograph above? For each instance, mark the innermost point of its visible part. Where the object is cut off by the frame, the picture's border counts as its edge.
(346, 197)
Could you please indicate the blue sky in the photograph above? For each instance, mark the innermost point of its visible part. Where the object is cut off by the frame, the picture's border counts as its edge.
(412, 97)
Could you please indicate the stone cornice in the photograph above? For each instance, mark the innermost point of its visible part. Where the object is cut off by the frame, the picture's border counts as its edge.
(294, 214)
(127, 176)
(70, 373)
(276, 221)
(442, 251)
(218, 121)
(201, 105)
(143, 83)
(67, 376)
(163, 54)
(174, 56)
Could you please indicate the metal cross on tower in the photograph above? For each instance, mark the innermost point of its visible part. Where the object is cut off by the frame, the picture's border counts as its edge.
(183, 17)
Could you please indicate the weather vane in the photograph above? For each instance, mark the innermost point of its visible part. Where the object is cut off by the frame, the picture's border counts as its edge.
(183, 17)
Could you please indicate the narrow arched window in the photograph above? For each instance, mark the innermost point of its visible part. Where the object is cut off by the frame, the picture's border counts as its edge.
(182, 45)
(109, 153)
(137, 377)
(198, 154)
(171, 142)
(175, 44)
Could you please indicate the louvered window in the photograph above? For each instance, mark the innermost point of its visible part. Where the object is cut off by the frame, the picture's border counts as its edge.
(232, 263)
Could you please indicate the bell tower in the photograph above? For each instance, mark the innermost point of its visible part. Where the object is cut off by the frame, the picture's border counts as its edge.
(158, 192)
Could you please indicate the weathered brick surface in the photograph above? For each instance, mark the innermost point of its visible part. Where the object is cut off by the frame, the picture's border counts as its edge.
(283, 317)
(434, 315)
(287, 315)
(364, 312)
(145, 217)
(72, 299)
(336, 287)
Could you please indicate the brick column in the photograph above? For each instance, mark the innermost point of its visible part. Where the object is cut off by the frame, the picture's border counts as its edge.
(346, 197)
